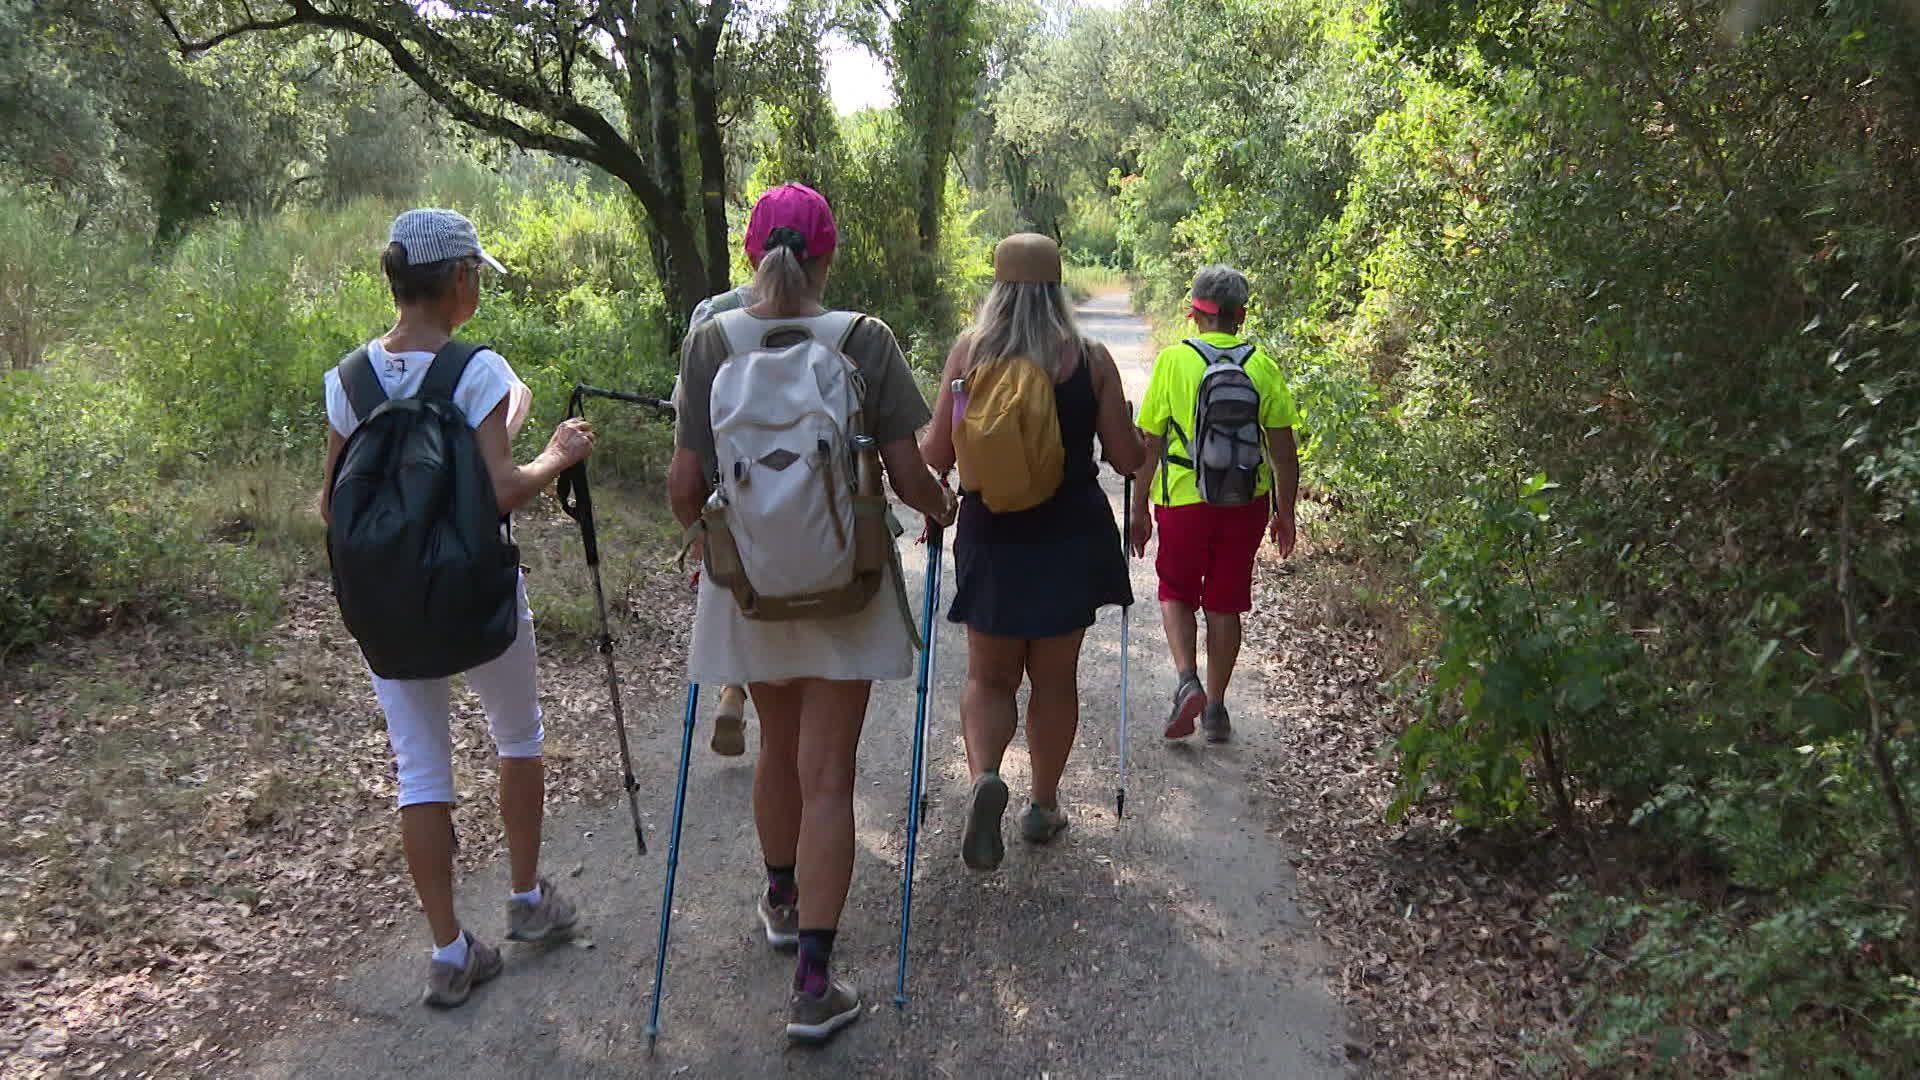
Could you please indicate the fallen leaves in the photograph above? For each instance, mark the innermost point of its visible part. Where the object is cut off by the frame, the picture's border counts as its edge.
(1439, 953)
(198, 836)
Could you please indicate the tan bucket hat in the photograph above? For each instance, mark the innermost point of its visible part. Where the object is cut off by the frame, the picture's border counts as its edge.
(1027, 259)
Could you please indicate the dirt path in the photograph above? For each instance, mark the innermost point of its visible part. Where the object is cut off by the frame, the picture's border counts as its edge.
(1170, 945)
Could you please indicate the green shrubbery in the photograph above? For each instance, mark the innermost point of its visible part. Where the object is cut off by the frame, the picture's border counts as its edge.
(1674, 270)
(196, 380)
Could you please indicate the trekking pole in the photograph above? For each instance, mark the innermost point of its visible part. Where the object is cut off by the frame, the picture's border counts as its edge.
(580, 390)
(917, 773)
(577, 500)
(1126, 613)
(673, 865)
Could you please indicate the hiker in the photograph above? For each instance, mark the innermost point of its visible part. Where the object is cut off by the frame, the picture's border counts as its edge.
(433, 265)
(1221, 401)
(774, 611)
(1029, 581)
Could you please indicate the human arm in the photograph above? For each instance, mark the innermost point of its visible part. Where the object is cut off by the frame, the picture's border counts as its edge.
(1120, 442)
(516, 485)
(1140, 514)
(936, 446)
(914, 483)
(335, 444)
(687, 487)
(1286, 480)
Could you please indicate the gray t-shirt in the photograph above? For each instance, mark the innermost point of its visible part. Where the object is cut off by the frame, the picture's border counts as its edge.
(894, 408)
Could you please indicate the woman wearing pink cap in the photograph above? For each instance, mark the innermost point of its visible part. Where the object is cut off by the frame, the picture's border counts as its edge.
(810, 677)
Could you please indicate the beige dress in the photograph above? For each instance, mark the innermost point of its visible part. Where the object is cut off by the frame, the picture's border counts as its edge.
(730, 649)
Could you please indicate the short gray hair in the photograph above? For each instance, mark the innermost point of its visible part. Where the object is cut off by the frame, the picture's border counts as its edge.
(1223, 285)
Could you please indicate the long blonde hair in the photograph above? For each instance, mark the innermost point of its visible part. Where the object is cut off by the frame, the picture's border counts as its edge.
(1030, 319)
(783, 284)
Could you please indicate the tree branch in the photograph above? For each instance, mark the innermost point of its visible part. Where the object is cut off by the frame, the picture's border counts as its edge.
(190, 47)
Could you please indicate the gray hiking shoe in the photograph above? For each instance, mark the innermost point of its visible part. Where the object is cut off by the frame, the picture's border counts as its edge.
(553, 916)
(1219, 729)
(448, 985)
(730, 723)
(980, 845)
(813, 1019)
(1189, 698)
(1040, 824)
(782, 923)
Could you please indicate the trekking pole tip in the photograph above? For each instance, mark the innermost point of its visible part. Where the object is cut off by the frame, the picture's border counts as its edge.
(900, 1001)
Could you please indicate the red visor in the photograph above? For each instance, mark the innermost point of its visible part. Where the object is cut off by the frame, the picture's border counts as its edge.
(1211, 307)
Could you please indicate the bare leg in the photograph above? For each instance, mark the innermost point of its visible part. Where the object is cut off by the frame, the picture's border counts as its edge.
(426, 834)
(776, 775)
(832, 714)
(1053, 710)
(1223, 651)
(1182, 635)
(523, 792)
(989, 711)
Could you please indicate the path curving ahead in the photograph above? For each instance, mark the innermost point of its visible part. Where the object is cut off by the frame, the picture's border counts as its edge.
(1168, 945)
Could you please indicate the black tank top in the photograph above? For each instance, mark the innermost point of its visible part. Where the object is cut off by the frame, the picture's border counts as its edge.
(1066, 512)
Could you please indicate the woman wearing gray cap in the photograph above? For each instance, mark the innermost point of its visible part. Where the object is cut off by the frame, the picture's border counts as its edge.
(432, 262)
(1029, 582)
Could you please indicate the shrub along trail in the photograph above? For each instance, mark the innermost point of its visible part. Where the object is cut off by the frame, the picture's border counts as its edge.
(272, 930)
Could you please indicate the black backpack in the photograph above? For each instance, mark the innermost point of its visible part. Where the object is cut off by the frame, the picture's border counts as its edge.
(426, 577)
(1227, 445)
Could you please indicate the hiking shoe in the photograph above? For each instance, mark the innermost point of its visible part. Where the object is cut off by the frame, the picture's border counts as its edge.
(1219, 729)
(448, 985)
(730, 723)
(1040, 824)
(782, 923)
(813, 1019)
(553, 916)
(980, 845)
(1188, 701)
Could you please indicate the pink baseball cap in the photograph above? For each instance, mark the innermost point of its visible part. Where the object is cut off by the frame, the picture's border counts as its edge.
(797, 207)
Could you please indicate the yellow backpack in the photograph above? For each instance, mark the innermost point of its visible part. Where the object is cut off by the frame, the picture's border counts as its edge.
(1006, 434)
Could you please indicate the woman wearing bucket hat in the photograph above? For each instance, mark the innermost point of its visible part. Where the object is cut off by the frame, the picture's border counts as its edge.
(1029, 581)
(809, 676)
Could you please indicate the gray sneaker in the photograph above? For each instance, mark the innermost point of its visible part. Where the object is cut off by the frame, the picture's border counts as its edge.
(730, 723)
(1040, 824)
(980, 845)
(553, 916)
(1219, 729)
(448, 985)
(813, 1019)
(1189, 698)
(781, 922)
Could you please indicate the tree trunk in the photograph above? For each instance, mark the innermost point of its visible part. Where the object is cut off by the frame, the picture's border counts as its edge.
(713, 161)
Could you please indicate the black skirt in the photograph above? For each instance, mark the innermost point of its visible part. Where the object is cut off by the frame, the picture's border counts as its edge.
(1039, 573)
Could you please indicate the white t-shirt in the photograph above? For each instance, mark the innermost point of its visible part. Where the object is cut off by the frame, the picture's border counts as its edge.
(483, 386)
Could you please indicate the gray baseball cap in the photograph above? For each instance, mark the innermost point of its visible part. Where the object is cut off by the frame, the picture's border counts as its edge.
(431, 236)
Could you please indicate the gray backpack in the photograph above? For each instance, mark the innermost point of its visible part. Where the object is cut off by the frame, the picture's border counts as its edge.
(1227, 445)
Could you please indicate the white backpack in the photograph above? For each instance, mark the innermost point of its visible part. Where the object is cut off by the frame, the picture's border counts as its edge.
(797, 526)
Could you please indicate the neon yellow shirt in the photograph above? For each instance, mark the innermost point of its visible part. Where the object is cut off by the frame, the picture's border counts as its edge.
(1172, 393)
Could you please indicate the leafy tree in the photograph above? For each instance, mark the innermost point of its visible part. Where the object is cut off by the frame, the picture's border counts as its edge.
(551, 77)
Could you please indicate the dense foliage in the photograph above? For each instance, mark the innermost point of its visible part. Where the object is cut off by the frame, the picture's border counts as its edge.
(1605, 319)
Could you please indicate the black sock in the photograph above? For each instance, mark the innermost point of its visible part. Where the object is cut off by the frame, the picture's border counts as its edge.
(782, 889)
(816, 952)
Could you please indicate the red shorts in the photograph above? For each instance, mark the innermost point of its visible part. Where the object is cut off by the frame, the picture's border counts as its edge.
(1206, 554)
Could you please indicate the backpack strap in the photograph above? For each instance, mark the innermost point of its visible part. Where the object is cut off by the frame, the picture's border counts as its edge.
(1213, 354)
(362, 384)
(449, 365)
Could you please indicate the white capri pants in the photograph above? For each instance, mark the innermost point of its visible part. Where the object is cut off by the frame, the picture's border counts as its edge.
(419, 714)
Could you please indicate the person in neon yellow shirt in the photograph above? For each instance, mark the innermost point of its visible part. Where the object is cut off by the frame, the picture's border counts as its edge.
(1205, 561)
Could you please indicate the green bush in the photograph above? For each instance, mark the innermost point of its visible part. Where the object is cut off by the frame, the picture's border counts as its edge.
(89, 535)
